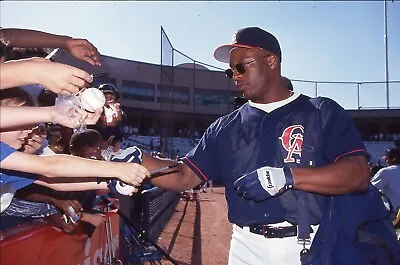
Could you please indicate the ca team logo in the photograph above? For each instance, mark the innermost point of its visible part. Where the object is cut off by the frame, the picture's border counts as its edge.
(292, 140)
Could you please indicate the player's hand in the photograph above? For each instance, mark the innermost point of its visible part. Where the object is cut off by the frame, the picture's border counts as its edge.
(264, 183)
(83, 50)
(59, 78)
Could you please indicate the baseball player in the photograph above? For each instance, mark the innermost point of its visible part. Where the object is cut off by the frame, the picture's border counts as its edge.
(283, 158)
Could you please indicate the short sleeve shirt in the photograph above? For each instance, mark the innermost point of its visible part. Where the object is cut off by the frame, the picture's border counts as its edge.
(250, 138)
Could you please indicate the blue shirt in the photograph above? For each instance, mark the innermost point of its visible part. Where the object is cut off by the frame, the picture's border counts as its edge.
(18, 179)
(250, 138)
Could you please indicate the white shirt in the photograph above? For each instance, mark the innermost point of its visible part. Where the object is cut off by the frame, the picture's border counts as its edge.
(387, 180)
(274, 105)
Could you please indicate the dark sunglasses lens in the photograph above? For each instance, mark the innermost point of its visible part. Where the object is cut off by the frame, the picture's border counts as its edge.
(229, 73)
(240, 68)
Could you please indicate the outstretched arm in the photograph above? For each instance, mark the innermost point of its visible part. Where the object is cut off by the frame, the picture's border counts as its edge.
(74, 167)
(81, 49)
(12, 117)
(57, 77)
(179, 178)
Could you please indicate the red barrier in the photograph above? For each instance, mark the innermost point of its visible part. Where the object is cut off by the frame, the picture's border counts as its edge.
(42, 244)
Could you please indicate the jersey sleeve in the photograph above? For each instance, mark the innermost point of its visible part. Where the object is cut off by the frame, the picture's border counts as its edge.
(340, 136)
(203, 158)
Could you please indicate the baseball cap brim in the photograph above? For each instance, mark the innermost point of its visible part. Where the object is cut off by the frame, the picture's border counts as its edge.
(223, 53)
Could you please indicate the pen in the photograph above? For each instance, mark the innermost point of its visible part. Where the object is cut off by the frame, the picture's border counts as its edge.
(53, 52)
(155, 171)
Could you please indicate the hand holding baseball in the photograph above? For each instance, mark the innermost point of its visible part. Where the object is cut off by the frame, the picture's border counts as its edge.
(72, 116)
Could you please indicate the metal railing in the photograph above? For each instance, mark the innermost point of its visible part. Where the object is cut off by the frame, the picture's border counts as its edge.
(158, 205)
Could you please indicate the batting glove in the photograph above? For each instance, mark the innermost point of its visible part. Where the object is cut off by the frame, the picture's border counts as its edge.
(264, 183)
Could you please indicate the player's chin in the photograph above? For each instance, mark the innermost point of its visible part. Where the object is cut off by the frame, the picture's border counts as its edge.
(248, 95)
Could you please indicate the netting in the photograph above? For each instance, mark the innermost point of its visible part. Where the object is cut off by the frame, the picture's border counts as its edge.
(164, 94)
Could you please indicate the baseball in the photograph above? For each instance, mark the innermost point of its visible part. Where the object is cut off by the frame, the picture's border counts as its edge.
(92, 99)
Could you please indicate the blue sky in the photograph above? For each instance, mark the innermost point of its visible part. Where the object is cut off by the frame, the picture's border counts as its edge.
(329, 41)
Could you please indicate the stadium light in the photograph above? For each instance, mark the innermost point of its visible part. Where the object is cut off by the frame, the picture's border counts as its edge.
(386, 54)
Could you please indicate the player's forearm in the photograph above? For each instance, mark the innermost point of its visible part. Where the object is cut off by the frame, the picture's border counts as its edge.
(178, 178)
(24, 38)
(346, 175)
(12, 117)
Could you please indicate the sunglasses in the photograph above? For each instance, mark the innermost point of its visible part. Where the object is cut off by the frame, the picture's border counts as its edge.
(240, 68)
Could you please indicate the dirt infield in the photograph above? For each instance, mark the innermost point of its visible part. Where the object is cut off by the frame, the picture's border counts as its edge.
(199, 232)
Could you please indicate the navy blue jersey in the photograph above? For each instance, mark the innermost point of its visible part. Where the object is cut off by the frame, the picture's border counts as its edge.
(250, 138)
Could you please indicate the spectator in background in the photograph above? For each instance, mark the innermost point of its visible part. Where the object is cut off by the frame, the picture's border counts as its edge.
(14, 164)
(376, 168)
(370, 167)
(387, 179)
(108, 123)
(58, 136)
(36, 140)
(35, 201)
(55, 141)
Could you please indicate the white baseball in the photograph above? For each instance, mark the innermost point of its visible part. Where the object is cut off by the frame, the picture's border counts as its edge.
(92, 99)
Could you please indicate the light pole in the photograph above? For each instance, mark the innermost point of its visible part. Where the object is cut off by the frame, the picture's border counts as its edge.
(386, 55)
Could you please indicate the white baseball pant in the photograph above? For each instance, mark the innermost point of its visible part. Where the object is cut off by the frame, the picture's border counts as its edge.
(252, 249)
